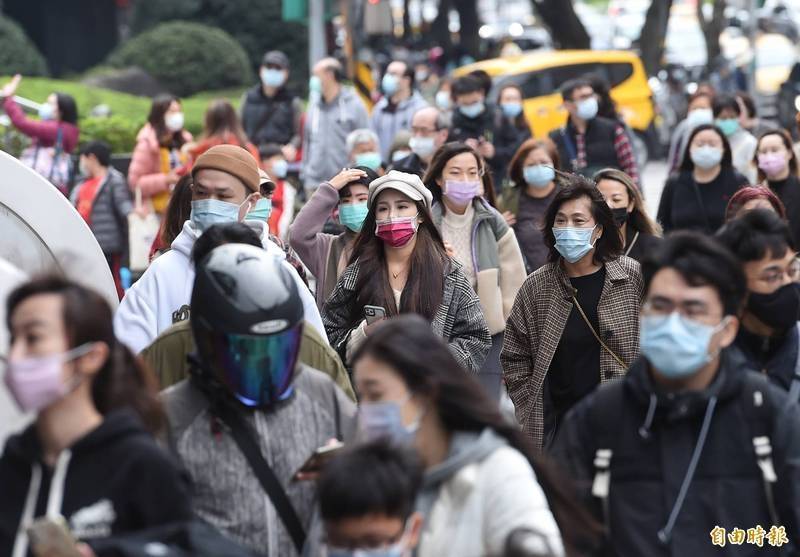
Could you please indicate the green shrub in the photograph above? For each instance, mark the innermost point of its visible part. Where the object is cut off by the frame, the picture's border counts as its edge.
(118, 131)
(186, 57)
(17, 53)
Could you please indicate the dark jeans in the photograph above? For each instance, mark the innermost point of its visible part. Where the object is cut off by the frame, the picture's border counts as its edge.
(491, 374)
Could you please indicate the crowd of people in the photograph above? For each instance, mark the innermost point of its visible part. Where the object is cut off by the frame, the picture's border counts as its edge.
(337, 382)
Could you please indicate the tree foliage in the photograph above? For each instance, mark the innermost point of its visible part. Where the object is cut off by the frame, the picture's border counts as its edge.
(186, 57)
(18, 54)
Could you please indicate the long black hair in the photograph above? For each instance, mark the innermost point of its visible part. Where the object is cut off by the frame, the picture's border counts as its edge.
(123, 381)
(67, 108)
(427, 366)
(425, 284)
(726, 164)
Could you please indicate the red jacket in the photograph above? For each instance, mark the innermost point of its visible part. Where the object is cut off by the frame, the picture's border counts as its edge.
(44, 132)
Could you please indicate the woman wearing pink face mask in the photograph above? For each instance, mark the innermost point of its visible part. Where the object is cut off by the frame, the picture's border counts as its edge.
(478, 237)
(90, 456)
(778, 170)
(399, 263)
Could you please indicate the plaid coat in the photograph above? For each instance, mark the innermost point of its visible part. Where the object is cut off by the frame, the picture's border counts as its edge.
(459, 319)
(537, 321)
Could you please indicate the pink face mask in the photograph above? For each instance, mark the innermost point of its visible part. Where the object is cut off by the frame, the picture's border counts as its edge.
(772, 163)
(461, 193)
(397, 231)
(36, 383)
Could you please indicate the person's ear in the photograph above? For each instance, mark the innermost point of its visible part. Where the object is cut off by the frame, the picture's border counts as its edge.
(598, 232)
(414, 525)
(727, 335)
(92, 362)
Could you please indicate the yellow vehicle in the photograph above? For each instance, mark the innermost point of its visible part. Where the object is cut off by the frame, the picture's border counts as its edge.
(540, 74)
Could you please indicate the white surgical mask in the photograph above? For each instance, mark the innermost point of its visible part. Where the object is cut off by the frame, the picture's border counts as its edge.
(174, 121)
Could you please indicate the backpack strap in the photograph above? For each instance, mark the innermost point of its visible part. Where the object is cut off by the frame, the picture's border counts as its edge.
(247, 443)
(758, 411)
(794, 388)
(606, 414)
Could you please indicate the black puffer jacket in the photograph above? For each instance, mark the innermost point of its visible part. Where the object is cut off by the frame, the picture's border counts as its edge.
(653, 435)
(271, 119)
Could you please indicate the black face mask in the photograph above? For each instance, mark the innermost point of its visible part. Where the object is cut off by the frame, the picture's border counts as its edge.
(779, 310)
(620, 215)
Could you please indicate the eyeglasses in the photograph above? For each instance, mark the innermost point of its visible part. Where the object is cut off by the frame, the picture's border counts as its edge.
(422, 131)
(692, 309)
(775, 277)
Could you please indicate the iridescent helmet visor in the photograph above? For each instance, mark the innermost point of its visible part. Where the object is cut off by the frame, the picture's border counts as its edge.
(258, 369)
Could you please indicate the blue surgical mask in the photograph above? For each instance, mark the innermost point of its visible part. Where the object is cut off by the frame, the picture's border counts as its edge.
(396, 550)
(271, 77)
(676, 346)
(370, 160)
(587, 108)
(706, 156)
(511, 110)
(280, 168)
(390, 84)
(208, 212)
(383, 419)
(352, 215)
(729, 126)
(443, 100)
(538, 175)
(572, 242)
(472, 110)
(314, 84)
(261, 211)
(698, 117)
(46, 111)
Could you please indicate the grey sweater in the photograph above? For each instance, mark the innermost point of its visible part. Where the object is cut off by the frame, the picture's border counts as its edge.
(226, 492)
(325, 133)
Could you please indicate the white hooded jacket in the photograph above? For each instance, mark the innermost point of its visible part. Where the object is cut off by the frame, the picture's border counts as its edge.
(162, 295)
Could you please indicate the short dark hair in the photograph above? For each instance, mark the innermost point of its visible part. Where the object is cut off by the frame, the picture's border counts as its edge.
(220, 234)
(364, 180)
(702, 261)
(723, 101)
(465, 85)
(269, 150)
(573, 186)
(101, 151)
(687, 164)
(484, 79)
(408, 72)
(568, 87)
(371, 478)
(756, 234)
(67, 107)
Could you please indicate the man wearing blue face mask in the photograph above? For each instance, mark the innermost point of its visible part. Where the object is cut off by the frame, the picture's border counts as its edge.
(473, 118)
(691, 440)
(399, 103)
(224, 177)
(743, 145)
(589, 143)
(270, 113)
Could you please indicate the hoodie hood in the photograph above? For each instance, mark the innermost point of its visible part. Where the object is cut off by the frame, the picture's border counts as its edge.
(24, 452)
(184, 242)
(466, 447)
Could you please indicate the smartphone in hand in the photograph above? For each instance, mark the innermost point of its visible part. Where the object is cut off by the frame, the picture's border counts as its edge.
(319, 458)
(373, 314)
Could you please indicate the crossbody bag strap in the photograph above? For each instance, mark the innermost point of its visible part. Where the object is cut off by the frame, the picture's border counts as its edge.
(633, 243)
(591, 328)
(269, 482)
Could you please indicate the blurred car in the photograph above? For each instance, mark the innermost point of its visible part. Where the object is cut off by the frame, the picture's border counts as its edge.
(540, 74)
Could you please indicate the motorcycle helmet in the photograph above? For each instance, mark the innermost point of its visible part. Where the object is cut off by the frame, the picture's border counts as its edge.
(247, 321)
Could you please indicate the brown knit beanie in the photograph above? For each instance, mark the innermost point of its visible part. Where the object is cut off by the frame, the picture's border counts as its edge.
(231, 159)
